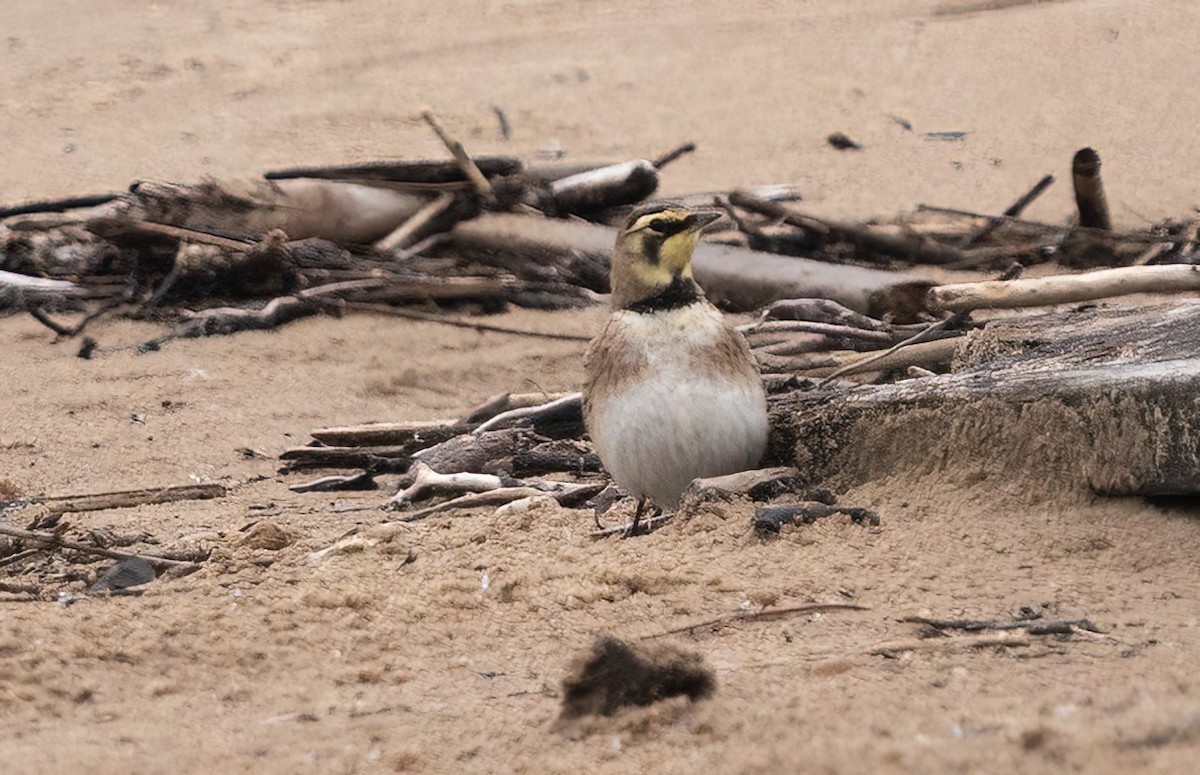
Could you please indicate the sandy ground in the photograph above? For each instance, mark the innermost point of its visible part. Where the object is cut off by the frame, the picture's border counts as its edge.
(442, 647)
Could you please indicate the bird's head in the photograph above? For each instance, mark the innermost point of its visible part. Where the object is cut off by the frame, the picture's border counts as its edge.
(654, 250)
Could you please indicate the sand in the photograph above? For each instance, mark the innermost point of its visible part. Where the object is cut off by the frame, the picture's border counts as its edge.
(441, 647)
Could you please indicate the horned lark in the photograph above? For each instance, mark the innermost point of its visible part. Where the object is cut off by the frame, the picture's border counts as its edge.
(672, 393)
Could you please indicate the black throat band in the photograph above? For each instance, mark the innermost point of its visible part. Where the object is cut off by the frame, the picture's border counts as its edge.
(680, 293)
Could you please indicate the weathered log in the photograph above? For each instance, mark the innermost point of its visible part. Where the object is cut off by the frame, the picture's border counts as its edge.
(734, 277)
(1101, 398)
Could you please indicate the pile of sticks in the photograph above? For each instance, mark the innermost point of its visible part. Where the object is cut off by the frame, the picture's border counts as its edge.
(475, 234)
(50, 551)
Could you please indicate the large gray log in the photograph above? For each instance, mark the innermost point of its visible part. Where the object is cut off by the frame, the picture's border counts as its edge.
(1106, 398)
(735, 277)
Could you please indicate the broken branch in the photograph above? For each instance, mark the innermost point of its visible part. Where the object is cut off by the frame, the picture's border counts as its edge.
(1064, 289)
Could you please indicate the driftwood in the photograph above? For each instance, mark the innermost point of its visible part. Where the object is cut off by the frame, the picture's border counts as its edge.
(18, 290)
(935, 354)
(734, 277)
(1089, 190)
(56, 205)
(345, 213)
(128, 498)
(417, 174)
(470, 170)
(594, 190)
(568, 494)
(1063, 289)
(1031, 622)
(504, 402)
(425, 483)
(1100, 398)
(371, 434)
(390, 457)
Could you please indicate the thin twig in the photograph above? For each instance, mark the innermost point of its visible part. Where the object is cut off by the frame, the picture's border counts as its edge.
(904, 246)
(893, 649)
(409, 232)
(1014, 210)
(876, 356)
(40, 316)
(505, 129)
(646, 526)
(468, 166)
(1036, 624)
(432, 317)
(672, 155)
(766, 614)
(474, 500)
(20, 556)
(57, 205)
(1047, 227)
(809, 327)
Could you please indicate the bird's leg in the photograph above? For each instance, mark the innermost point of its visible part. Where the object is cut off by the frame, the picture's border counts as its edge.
(637, 516)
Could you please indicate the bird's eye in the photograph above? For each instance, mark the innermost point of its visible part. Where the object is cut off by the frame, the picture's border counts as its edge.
(660, 225)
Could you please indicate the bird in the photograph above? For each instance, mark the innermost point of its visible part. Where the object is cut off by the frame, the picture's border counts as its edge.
(671, 392)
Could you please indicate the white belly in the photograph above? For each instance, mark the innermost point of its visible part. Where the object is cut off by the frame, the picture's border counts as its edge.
(655, 436)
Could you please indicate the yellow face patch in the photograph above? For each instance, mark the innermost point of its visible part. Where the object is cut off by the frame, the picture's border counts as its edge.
(674, 259)
(663, 244)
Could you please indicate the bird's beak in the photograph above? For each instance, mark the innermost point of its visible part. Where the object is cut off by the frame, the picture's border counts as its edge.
(698, 220)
